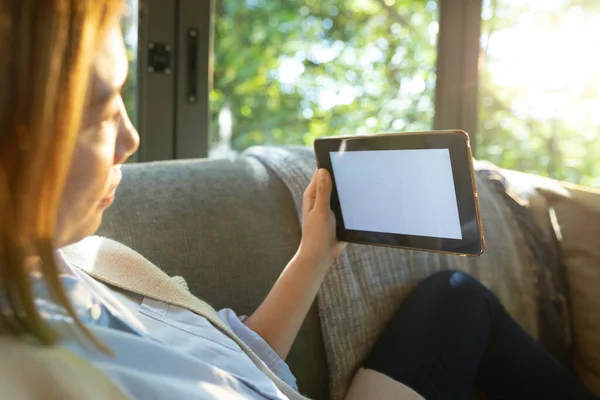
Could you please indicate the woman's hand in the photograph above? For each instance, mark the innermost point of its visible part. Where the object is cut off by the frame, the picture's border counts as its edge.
(319, 245)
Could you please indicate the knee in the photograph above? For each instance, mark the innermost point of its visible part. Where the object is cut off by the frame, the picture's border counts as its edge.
(452, 287)
(451, 279)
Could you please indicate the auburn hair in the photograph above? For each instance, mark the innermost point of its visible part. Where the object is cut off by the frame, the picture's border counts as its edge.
(47, 48)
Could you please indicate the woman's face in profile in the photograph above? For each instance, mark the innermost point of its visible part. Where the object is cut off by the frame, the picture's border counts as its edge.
(106, 140)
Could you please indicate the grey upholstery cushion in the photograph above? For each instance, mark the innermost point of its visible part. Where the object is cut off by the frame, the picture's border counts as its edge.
(228, 227)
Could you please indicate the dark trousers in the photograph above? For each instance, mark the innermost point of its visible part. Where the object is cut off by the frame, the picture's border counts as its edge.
(452, 334)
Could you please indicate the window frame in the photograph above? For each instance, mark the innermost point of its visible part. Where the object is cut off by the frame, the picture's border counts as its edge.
(170, 125)
(457, 84)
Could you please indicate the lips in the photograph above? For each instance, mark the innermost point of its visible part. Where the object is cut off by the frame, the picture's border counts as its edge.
(110, 197)
(111, 193)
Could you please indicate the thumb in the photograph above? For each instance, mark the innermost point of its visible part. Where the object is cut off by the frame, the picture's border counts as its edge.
(323, 190)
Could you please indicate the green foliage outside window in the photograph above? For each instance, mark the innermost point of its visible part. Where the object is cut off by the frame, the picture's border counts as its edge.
(129, 25)
(539, 101)
(291, 71)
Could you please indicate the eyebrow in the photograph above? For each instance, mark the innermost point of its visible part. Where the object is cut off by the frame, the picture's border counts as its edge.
(106, 94)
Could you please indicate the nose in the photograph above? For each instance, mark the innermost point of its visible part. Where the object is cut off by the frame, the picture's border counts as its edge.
(128, 139)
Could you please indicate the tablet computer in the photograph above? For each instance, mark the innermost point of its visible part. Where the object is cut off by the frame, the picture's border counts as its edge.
(412, 190)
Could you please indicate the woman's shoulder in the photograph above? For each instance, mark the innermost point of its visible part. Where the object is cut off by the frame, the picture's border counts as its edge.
(30, 371)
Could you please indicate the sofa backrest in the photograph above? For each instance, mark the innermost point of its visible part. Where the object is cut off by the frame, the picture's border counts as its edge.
(228, 227)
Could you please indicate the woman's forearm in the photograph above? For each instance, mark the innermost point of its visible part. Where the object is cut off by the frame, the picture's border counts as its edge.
(279, 318)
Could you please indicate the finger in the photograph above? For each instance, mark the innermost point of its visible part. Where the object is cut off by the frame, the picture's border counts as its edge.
(323, 199)
(310, 194)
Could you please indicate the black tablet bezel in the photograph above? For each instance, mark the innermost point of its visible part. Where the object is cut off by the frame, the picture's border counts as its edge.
(457, 142)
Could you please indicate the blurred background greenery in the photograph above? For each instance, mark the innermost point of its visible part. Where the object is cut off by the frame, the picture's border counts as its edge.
(129, 25)
(286, 72)
(539, 80)
(290, 71)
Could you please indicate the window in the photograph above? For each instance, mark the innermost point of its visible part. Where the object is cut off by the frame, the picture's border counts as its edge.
(540, 88)
(286, 72)
(130, 35)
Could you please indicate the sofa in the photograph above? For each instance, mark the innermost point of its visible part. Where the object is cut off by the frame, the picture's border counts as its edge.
(229, 226)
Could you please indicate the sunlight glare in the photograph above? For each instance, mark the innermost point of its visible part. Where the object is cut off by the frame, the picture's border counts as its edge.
(552, 67)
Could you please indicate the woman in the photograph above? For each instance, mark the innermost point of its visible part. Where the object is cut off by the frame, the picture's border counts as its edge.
(124, 329)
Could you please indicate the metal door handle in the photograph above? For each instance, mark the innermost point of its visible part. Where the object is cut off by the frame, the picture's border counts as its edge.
(192, 65)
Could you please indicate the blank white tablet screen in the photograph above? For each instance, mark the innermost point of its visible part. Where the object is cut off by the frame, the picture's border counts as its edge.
(409, 192)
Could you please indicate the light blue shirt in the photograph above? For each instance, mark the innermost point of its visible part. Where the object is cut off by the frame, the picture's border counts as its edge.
(163, 351)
